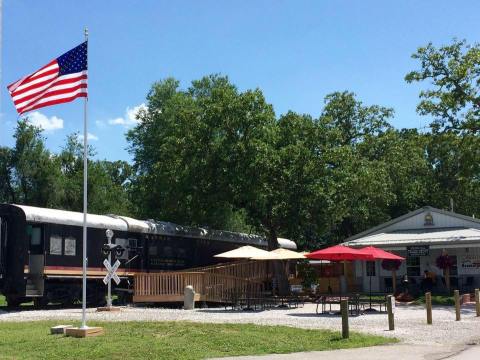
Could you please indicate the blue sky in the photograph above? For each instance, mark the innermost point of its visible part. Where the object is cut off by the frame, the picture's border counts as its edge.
(295, 51)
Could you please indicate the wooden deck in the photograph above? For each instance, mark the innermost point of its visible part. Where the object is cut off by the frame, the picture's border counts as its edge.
(208, 286)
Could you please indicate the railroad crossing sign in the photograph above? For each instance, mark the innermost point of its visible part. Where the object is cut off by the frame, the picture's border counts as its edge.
(111, 272)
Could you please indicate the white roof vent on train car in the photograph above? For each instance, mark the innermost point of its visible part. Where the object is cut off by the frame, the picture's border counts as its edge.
(287, 244)
(134, 225)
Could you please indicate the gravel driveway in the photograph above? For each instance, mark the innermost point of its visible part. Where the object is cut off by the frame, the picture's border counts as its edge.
(410, 321)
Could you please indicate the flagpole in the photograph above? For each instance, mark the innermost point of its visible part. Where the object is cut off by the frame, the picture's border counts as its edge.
(85, 181)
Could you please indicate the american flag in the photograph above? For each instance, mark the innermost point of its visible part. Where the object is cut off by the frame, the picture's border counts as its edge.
(60, 81)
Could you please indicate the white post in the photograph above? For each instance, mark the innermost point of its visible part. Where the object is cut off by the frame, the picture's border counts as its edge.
(109, 234)
(85, 182)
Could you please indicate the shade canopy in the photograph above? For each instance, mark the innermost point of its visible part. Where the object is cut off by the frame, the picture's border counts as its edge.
(245, 252)
(379, 254)
(339, 253)
(281, 254)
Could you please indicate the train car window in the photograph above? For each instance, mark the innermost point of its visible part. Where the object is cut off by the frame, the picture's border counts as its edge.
(152, 250)
(70, 246)
(36, 236)
(181, 253)
(132, 243)
(168, 251)
(35, 239)
(55, 245)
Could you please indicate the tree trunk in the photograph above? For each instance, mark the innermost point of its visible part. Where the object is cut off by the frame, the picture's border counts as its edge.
(278, 267)
(394, 281)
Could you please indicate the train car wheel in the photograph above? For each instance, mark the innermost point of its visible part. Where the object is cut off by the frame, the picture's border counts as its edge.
(13, 301)
(40, 302)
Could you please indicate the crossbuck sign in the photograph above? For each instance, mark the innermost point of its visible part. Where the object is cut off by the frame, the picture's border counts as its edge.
(111, 272)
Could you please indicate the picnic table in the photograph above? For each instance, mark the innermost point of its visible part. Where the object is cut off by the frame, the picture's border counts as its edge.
(357, 303)
(327, 300)
(263, 301)
(368, 301)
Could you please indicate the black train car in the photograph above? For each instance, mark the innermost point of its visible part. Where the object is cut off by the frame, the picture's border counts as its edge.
(41, 251)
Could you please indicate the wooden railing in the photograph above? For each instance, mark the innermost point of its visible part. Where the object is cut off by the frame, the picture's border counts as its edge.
(208, 286)
(250, 270)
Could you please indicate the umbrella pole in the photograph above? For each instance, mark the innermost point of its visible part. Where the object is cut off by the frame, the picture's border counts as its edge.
(370, 276)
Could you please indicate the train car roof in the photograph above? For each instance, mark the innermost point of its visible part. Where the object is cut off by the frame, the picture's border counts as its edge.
(54, 216)
(124, 223)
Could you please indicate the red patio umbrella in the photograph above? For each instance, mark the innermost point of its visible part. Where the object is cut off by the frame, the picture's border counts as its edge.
(378, 254)
(339, 253)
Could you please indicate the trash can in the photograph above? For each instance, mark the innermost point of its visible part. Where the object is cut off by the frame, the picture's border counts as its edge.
(189, 298)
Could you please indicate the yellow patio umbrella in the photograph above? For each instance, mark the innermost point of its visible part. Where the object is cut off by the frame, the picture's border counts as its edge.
(246, 252)
(279, 254)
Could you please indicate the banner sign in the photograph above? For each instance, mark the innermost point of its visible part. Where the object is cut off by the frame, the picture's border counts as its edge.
(469, 264)
(422, 250)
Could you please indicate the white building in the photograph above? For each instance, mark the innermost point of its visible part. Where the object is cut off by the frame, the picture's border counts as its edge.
(421, 236)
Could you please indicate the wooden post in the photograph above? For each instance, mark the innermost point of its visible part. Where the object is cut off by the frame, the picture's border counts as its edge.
(456, 294)
(390, 311)
(477, 301)
(428, 303)
(344, 310)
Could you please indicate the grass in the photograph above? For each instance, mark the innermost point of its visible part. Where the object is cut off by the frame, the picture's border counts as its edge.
(170, 340)
(436, 300)
(3, 302)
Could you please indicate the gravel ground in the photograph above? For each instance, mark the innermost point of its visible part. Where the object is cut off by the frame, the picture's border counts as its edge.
(410, 321)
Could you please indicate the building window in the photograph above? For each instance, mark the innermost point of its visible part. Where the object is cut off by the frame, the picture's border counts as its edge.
(413, 266)
(428, 219)
(370, 268)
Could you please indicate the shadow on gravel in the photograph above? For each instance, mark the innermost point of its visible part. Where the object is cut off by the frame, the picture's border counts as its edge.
(219, 311)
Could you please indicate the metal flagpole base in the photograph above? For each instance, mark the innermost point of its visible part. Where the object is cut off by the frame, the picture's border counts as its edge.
(59, 329)
(82, 332)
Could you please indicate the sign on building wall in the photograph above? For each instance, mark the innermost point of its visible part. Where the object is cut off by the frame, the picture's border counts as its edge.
(422, 250)
(469, 263)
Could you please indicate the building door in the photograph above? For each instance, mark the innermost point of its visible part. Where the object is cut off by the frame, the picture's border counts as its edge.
(36, 261)
(3, 245)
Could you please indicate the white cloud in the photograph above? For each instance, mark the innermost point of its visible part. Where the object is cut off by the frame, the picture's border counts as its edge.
(129, 119)
(100, 123)
(46, 123)
(90, 136)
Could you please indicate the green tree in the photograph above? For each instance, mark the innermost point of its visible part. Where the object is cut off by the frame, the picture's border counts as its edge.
(107, 181)
(7, 192)
(454, 72)
(357, 182)
(32, 171)
(453, 101)
(178, 147)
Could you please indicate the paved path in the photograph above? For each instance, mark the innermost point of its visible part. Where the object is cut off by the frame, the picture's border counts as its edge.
(389, 352)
